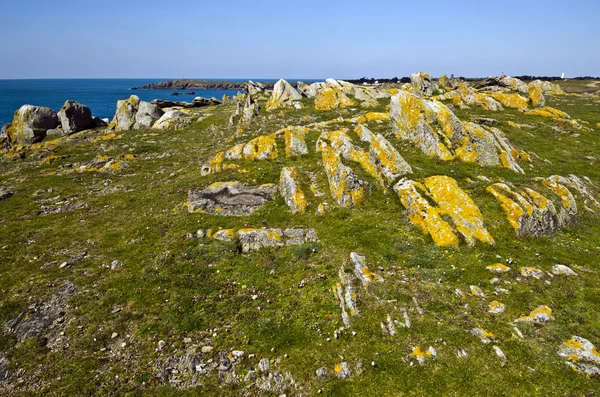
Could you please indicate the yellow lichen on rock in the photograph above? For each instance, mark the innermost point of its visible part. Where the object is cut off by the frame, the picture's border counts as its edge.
(289, 188)
(540, 315)
(455, 203)
(345, 187)
(295, 144)
(498, 268)
(423, 214)
(261, 148)
(373, 116)
(536, 96)
(331, 96)
(513, 101)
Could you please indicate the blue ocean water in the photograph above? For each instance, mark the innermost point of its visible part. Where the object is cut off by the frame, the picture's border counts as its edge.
(100, 95)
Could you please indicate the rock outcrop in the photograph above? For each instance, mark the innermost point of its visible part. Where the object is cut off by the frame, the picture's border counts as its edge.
(345, 186)
(253, 239)
(331, 96)
(532, 214)
(30, 124)
(172, 120)
(75, 117)
(422, 84)
(289, 188)
(452, 203)
(581, 354)
(536, 95)
(434, 129)
(147, 113)
(124, 118)
(283, 95)
(230, 198)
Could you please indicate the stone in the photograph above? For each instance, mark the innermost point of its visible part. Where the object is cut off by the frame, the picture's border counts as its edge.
(321, 373)
(529, 271)
(172, 120)
(295, 144)
(454, 203)
(541, 315)
(498, 268)
(263, 365)
(536, 95)
(562, 270)
(261, 148)
(230, 198)
(331, 96)
(98, 122)
(146, 115)
(422, 84)
(124, 118)
(476, 291)
(387, 162)
(485, 336)
(207, 349)
(361, 270)
(513, 83)
(250, 110)
(500, 355)
(423, 214)
(253, 88)
(4, 137)
(421, 355)
(513, 101)
(256, 239)
(116, 265)
(283, 95)
(346, 297)
(290, 190)
(497, 307)
(342, 371)
(30, 124)
(527, 211)
(582, 185)
(75, 117)
(43, 317)
(581, 354)
(309, 91)
(345, 187)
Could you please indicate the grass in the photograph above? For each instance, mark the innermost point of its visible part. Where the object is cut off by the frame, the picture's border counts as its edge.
(171, 288)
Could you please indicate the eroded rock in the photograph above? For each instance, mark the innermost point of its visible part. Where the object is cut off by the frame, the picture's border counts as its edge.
(30, 124)
(230, 198)
(75, 117)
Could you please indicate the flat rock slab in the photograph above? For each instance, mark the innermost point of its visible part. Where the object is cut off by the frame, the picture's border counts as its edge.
(230, 198)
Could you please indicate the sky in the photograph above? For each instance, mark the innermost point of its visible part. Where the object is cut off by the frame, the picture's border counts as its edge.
(297, 39)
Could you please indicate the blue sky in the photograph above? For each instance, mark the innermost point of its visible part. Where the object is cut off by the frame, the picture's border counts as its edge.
(302, 39)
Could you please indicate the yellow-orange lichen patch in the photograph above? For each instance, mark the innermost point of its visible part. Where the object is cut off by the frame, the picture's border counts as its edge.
(290, 190)
(455, 203)
(424, 215)
(514, 101)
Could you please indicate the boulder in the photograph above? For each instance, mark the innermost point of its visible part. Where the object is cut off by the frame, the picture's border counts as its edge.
(582, 355)
(253, 88)
(514, 84)
(230, 198)
(422, 83)
(330, 95)
(124, 119)
(147, 113)
(172, 120)
(536, 94)
(309, 91)
(75, 117)
(283, 95)
(30, 124)
(290, 190)
(250, 111)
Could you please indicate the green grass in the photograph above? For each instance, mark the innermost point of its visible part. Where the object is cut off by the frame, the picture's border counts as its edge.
(172, 288)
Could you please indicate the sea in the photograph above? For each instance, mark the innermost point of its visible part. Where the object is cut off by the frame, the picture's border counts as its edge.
(100, 95)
